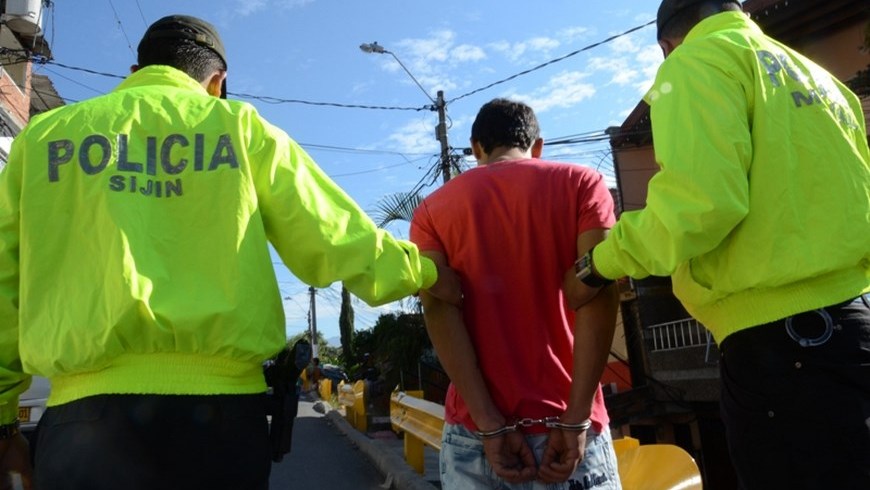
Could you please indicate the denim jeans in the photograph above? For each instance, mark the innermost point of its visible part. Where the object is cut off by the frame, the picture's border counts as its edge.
(464, 467)
(795, 400)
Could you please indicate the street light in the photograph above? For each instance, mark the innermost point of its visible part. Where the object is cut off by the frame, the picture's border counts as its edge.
(378, 49)
(440, 105)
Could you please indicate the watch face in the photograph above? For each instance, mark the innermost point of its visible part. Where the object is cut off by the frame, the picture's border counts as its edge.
(582, 267)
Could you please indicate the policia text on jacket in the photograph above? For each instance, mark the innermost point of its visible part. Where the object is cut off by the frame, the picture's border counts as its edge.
(95, 151)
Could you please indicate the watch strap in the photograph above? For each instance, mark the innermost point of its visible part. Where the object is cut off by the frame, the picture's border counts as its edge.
(586, 273)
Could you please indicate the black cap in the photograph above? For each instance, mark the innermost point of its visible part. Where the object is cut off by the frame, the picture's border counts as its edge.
(188, 27)
(668, 9)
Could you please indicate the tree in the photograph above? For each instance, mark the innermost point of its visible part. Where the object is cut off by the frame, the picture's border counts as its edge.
(345, 326)
(395, 207)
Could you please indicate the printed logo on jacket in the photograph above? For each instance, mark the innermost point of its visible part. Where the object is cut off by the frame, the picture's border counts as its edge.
(152, 177)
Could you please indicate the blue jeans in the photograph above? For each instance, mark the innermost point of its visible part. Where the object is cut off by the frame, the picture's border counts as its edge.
(464, 467)
(796, 400)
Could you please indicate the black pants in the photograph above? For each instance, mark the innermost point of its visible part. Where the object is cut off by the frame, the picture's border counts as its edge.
(149, 442)
(796, 400)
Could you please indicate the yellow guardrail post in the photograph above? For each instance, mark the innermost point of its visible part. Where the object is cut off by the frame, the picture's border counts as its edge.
(359, 405)
(306, 385)
(422, 422)
(352, 398)
(655, 466)
(325, 389)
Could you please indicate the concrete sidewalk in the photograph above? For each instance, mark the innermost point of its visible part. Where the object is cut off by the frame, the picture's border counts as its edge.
(386, 451)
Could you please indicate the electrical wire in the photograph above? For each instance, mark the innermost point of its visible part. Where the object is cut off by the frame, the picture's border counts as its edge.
(369, 171)
(345, 149)
(556, 60)
(121, 27)
(277, 100)
(145, 22)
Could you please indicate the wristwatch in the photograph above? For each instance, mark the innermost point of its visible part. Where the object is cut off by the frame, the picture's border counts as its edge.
(583, 270)
(7, 431)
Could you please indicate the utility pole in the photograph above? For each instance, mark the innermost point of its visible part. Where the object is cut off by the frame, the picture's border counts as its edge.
(312, 324)
(440, 105)
(441, 135)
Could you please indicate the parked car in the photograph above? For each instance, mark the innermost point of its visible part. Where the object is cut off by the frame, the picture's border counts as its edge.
(333, 372)
(31, 404)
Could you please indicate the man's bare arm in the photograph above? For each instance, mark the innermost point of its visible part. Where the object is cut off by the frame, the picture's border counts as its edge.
(509, 455)
(577, 293)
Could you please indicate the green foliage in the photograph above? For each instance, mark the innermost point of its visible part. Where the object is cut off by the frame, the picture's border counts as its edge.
(396, 207)
(397, 341)
(345, 327)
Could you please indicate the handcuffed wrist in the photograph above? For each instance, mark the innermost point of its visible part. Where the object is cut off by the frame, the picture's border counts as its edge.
(548, 422)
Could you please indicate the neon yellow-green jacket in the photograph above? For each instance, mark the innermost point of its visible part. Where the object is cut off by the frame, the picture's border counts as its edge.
(133, 244)
(762, 206)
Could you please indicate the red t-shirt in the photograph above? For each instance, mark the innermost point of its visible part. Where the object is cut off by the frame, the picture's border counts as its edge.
(510, 231)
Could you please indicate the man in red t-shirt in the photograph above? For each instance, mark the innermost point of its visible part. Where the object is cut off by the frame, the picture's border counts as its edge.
(512, 228)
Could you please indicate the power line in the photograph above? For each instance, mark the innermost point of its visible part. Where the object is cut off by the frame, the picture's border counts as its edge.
(542, 65)
(263, 98)
(121, 27)
(357, 150)
(141, 14)
(369, 171)
(277, 100)
(54, 72)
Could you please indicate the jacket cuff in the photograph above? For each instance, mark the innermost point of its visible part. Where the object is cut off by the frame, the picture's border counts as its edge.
(604, 260)
(429, 272)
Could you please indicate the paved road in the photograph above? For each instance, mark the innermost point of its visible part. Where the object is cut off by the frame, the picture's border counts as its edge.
(322, 457)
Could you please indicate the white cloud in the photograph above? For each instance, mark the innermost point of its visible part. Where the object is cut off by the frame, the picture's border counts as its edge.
(416, 136)
(648, 60)
(542, 44)
(432, 59)
(562, 91)
(434, 48)
(248, 7)
(571, 34)
(517, 51)
(467, 53)
(244, 8)
(624, 44)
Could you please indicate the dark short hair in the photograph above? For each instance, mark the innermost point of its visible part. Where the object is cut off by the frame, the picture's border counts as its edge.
(503, 122)
(680, 22)
(177, 41)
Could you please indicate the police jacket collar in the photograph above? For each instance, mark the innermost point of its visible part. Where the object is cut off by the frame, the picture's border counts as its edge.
(161, 75)
(723, 21)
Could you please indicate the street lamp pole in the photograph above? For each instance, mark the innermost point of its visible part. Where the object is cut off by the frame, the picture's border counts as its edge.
(439, 105)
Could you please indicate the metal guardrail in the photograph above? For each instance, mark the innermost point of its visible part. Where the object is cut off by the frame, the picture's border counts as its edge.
(352, 398)
(422, 422)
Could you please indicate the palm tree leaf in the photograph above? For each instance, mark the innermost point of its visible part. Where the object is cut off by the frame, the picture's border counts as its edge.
(396, 207)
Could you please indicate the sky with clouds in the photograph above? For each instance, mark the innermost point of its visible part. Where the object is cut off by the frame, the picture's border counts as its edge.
(302, 59)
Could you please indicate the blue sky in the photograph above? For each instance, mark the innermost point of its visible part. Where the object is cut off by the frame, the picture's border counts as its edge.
(308, 51)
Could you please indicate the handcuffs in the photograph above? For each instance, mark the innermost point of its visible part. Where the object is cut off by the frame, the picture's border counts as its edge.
(548, 422)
